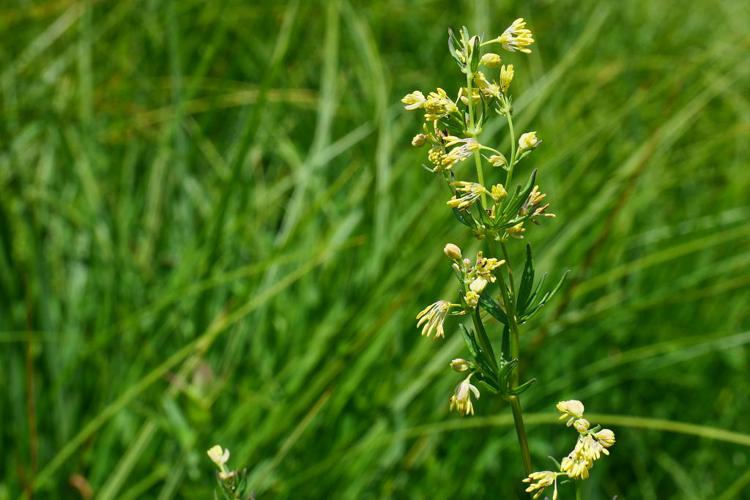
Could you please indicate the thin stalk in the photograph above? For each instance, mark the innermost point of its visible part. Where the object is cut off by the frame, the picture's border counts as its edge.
(477, 158)
(515, 405)
(512, 132)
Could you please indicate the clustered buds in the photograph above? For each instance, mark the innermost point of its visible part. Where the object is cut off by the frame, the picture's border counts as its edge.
(592, 443)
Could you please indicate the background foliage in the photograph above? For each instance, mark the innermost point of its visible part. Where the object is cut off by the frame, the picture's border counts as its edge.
(213, 229)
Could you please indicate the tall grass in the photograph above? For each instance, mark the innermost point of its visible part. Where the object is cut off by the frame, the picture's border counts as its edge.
(212, 230)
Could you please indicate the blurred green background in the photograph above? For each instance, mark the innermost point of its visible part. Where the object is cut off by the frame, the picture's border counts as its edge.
(213, 229)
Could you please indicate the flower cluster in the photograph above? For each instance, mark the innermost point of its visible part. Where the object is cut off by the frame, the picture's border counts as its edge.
(592, 443)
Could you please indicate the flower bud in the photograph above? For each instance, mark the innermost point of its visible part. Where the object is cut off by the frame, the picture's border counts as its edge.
(418, 140)
(460, 365)
(498, 160)
(581, 425)
(491, 60)
(528, 140)
(506, 77)
(605, 437)
(452, 251)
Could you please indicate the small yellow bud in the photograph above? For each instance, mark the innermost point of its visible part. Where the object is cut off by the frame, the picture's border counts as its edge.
(460, 365)
(471, 298)
(581, 425)
(528, 140)
(570, 410)
(605, 437)
(491, 60)
(498, 160)
(452, 251)
(498, 192)
(506, 77)
(418, 140)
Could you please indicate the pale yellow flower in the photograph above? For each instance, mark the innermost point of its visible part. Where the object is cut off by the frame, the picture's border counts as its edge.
(541, 480)
(414, 100)
(461, 399)
(438, 105)
(218, 455)
(516, 37)
(606, 437)
(452, 251)
(469, 192)
(498, 192)
(432, 317)
(498, 160)
(460, 153)
(491, 60)
(528, 141)
(570, 410)
(506, 77)
(418, 140)
(471, 298)
(581, 425)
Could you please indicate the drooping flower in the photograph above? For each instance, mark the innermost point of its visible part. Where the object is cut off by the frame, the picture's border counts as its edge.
(541, 480)
(461, 399)
(470, 192)
(432, 317)
(506, 77)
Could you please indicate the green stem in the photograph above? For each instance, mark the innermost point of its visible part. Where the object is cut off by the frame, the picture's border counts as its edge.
(523, 443)
(473, 132)
(512, 162)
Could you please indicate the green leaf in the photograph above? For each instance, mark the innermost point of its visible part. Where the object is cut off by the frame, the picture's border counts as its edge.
(462, 219)
(470, 342)
(527, 283)
(505, 343)
(523, 387)
(517, 200)
(545, 298)
(493, 308)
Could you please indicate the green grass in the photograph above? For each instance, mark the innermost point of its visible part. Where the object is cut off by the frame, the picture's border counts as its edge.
(213, 229)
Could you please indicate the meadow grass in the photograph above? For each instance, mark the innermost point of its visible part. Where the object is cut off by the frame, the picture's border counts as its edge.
(213, 230)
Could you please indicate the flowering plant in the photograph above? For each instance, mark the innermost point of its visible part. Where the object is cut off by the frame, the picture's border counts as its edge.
(497, 212)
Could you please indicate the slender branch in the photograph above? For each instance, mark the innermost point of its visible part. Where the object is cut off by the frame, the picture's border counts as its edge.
(523, 443)
(512, 163)
(473, 131)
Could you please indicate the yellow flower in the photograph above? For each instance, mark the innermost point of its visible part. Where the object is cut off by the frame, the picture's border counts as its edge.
(471, 298)
(541, 480)
(460, 153)
(438, 105)
(218, 455)
(576, 467)
(516, 37)
(528, 140)
(471, 192)
(498, 160)
(461, 399)
(581, 425)
(432, 317)
(606, 438)
(414, 100)
(489, 89)
(506, 77)
(491, 60)
(498, 192)
(570, 410)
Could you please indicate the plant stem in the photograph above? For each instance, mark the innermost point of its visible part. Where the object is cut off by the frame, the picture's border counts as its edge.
(515, 405)
(512, 162)
(473, 132)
